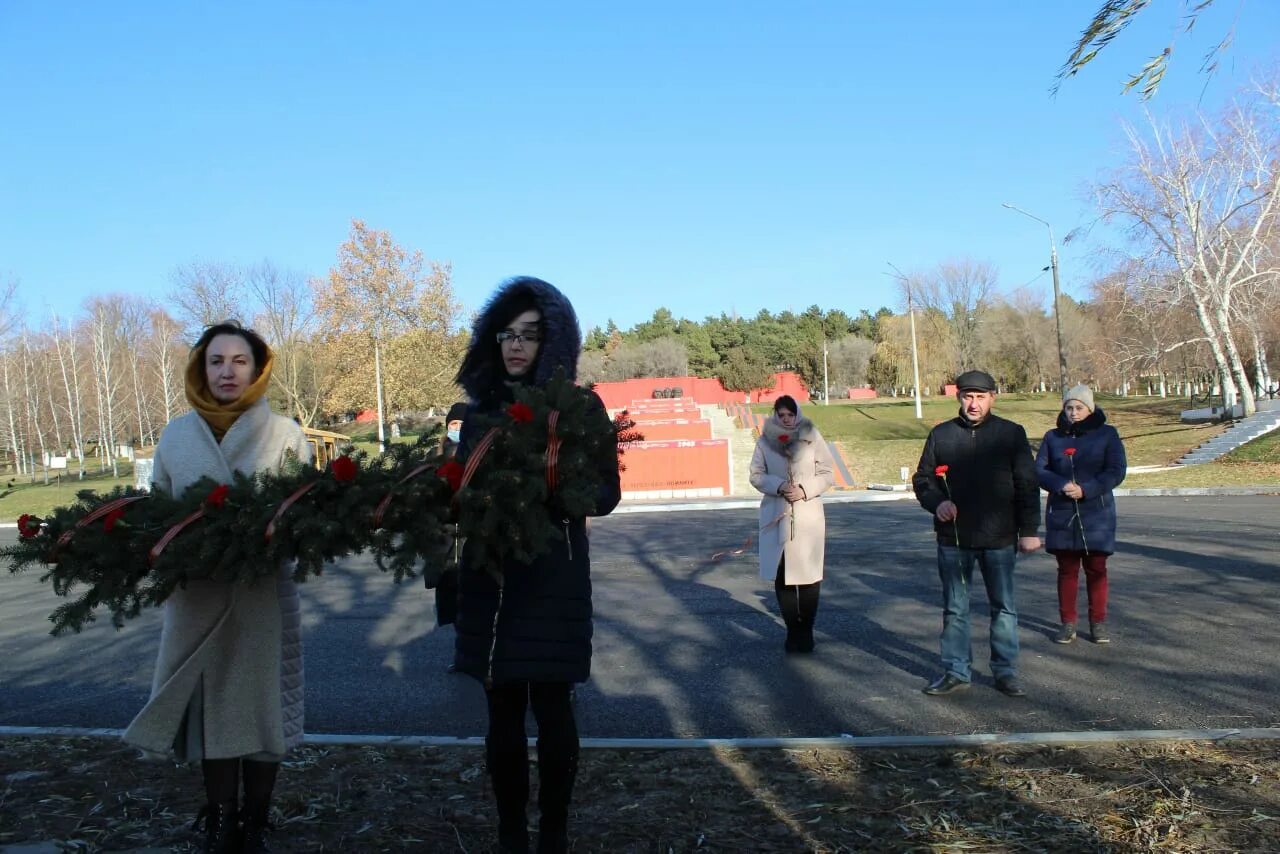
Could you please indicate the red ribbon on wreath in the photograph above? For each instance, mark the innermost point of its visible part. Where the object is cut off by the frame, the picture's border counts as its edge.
(553, 450)
(386, 499)
(285, 505)
(216, 498)
(89, 518)
(171, 533)
(481, 448)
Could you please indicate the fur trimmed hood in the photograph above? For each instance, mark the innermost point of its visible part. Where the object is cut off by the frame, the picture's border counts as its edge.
(482, 373)
(773, 430)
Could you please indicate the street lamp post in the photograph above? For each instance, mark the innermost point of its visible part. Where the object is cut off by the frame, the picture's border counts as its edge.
(1057, 295)
(826, 386)
(915, 357)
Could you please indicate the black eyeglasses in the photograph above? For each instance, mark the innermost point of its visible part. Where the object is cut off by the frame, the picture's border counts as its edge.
(507, 337)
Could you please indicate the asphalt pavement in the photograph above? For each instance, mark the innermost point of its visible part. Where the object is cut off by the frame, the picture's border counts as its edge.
(691, 646)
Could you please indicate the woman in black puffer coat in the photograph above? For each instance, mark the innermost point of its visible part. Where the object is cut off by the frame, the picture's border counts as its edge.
(528, 637)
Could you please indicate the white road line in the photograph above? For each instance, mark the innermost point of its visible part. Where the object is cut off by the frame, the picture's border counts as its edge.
(863, 742)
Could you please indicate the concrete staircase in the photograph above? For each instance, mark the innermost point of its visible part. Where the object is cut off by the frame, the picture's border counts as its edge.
(742, 445)
(1237, 434)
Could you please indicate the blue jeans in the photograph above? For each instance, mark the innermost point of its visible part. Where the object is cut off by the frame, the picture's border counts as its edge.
(955, 569)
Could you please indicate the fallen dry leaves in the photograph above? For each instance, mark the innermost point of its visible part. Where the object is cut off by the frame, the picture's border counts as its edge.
(94, 795)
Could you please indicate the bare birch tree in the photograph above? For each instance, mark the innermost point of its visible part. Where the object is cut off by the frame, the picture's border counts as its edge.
(208, 292)
(69, 368)
(957, 295)
(1202, 204)
(36, 427)
(104, 322)
(166, 359)
(287, 319)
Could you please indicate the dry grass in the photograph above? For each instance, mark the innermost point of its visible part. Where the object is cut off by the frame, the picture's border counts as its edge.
(96, 796)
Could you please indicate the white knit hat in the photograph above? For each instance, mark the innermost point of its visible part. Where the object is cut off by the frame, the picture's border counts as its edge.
(1081, 393)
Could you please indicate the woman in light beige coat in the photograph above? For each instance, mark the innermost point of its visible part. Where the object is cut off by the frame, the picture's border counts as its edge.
(792, 466)
(228, 685)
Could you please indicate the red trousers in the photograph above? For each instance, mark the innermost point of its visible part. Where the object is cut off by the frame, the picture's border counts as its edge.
(1095, 578)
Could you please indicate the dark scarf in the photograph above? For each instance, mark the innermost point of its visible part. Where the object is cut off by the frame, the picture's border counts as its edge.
(1095, 419)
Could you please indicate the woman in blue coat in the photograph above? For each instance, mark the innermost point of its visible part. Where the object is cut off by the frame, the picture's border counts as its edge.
(1080, 462)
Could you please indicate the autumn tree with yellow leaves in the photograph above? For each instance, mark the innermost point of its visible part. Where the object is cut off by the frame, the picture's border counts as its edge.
(393, 338)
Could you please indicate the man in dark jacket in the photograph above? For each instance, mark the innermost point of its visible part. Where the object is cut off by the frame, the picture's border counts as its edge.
(977, 477)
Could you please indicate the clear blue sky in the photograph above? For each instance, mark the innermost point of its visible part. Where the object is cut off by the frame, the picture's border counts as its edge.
(703, 156)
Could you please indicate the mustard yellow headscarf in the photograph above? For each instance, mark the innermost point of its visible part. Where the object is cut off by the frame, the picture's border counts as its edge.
(220, 416)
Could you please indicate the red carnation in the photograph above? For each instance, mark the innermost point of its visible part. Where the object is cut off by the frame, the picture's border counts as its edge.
(1070, 452)
(28, 526)
(217, 496)
(941, 471)
(784, 438)
(521, 413)
(111, 518)
(344, 469)
(451, 472)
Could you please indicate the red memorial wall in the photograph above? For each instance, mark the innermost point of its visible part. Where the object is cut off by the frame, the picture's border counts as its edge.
(678, 458)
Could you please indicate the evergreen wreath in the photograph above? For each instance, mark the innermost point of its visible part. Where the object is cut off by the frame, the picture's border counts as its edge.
(538, 463)
(410, 507)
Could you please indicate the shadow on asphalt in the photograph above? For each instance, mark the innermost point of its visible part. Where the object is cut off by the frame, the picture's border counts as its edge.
(690, 647)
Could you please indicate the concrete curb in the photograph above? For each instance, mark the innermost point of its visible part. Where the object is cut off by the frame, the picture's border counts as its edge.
(848, 497)
(872, 495)
(1139, 492)
(844, 740)
(875, 495)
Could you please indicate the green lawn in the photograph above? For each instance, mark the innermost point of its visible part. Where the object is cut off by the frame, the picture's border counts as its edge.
(370, 444)
(879, 437)
(18, 495)
(1265, 449)
(21, 496)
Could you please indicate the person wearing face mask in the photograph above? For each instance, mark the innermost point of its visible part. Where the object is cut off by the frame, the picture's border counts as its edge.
(792, 467)
(1079, 463)
(453, 429)
(228, 685)
(524, 629)
(446, 586)
(977, 478)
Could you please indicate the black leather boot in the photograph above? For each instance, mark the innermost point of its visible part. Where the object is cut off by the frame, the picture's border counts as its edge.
(257, 827)
(509, 773)
(789, 607)
(221, 828)
(808, 612)
(555, 788)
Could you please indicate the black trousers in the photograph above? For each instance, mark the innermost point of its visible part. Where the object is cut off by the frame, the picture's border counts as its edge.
(508, 758)
(552, 709)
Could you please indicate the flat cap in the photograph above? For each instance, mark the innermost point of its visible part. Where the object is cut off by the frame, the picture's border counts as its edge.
(975, 381)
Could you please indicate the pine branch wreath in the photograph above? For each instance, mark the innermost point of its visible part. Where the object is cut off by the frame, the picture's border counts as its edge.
(127, 549)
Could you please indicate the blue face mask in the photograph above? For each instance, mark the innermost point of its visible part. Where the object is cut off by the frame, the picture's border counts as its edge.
(454, 435)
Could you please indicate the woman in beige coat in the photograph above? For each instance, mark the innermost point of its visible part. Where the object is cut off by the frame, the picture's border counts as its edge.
(227, 690)
(792, 467)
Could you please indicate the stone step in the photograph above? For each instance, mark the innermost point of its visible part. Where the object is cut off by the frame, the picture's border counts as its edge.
(741, 446)
(1234, 437)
